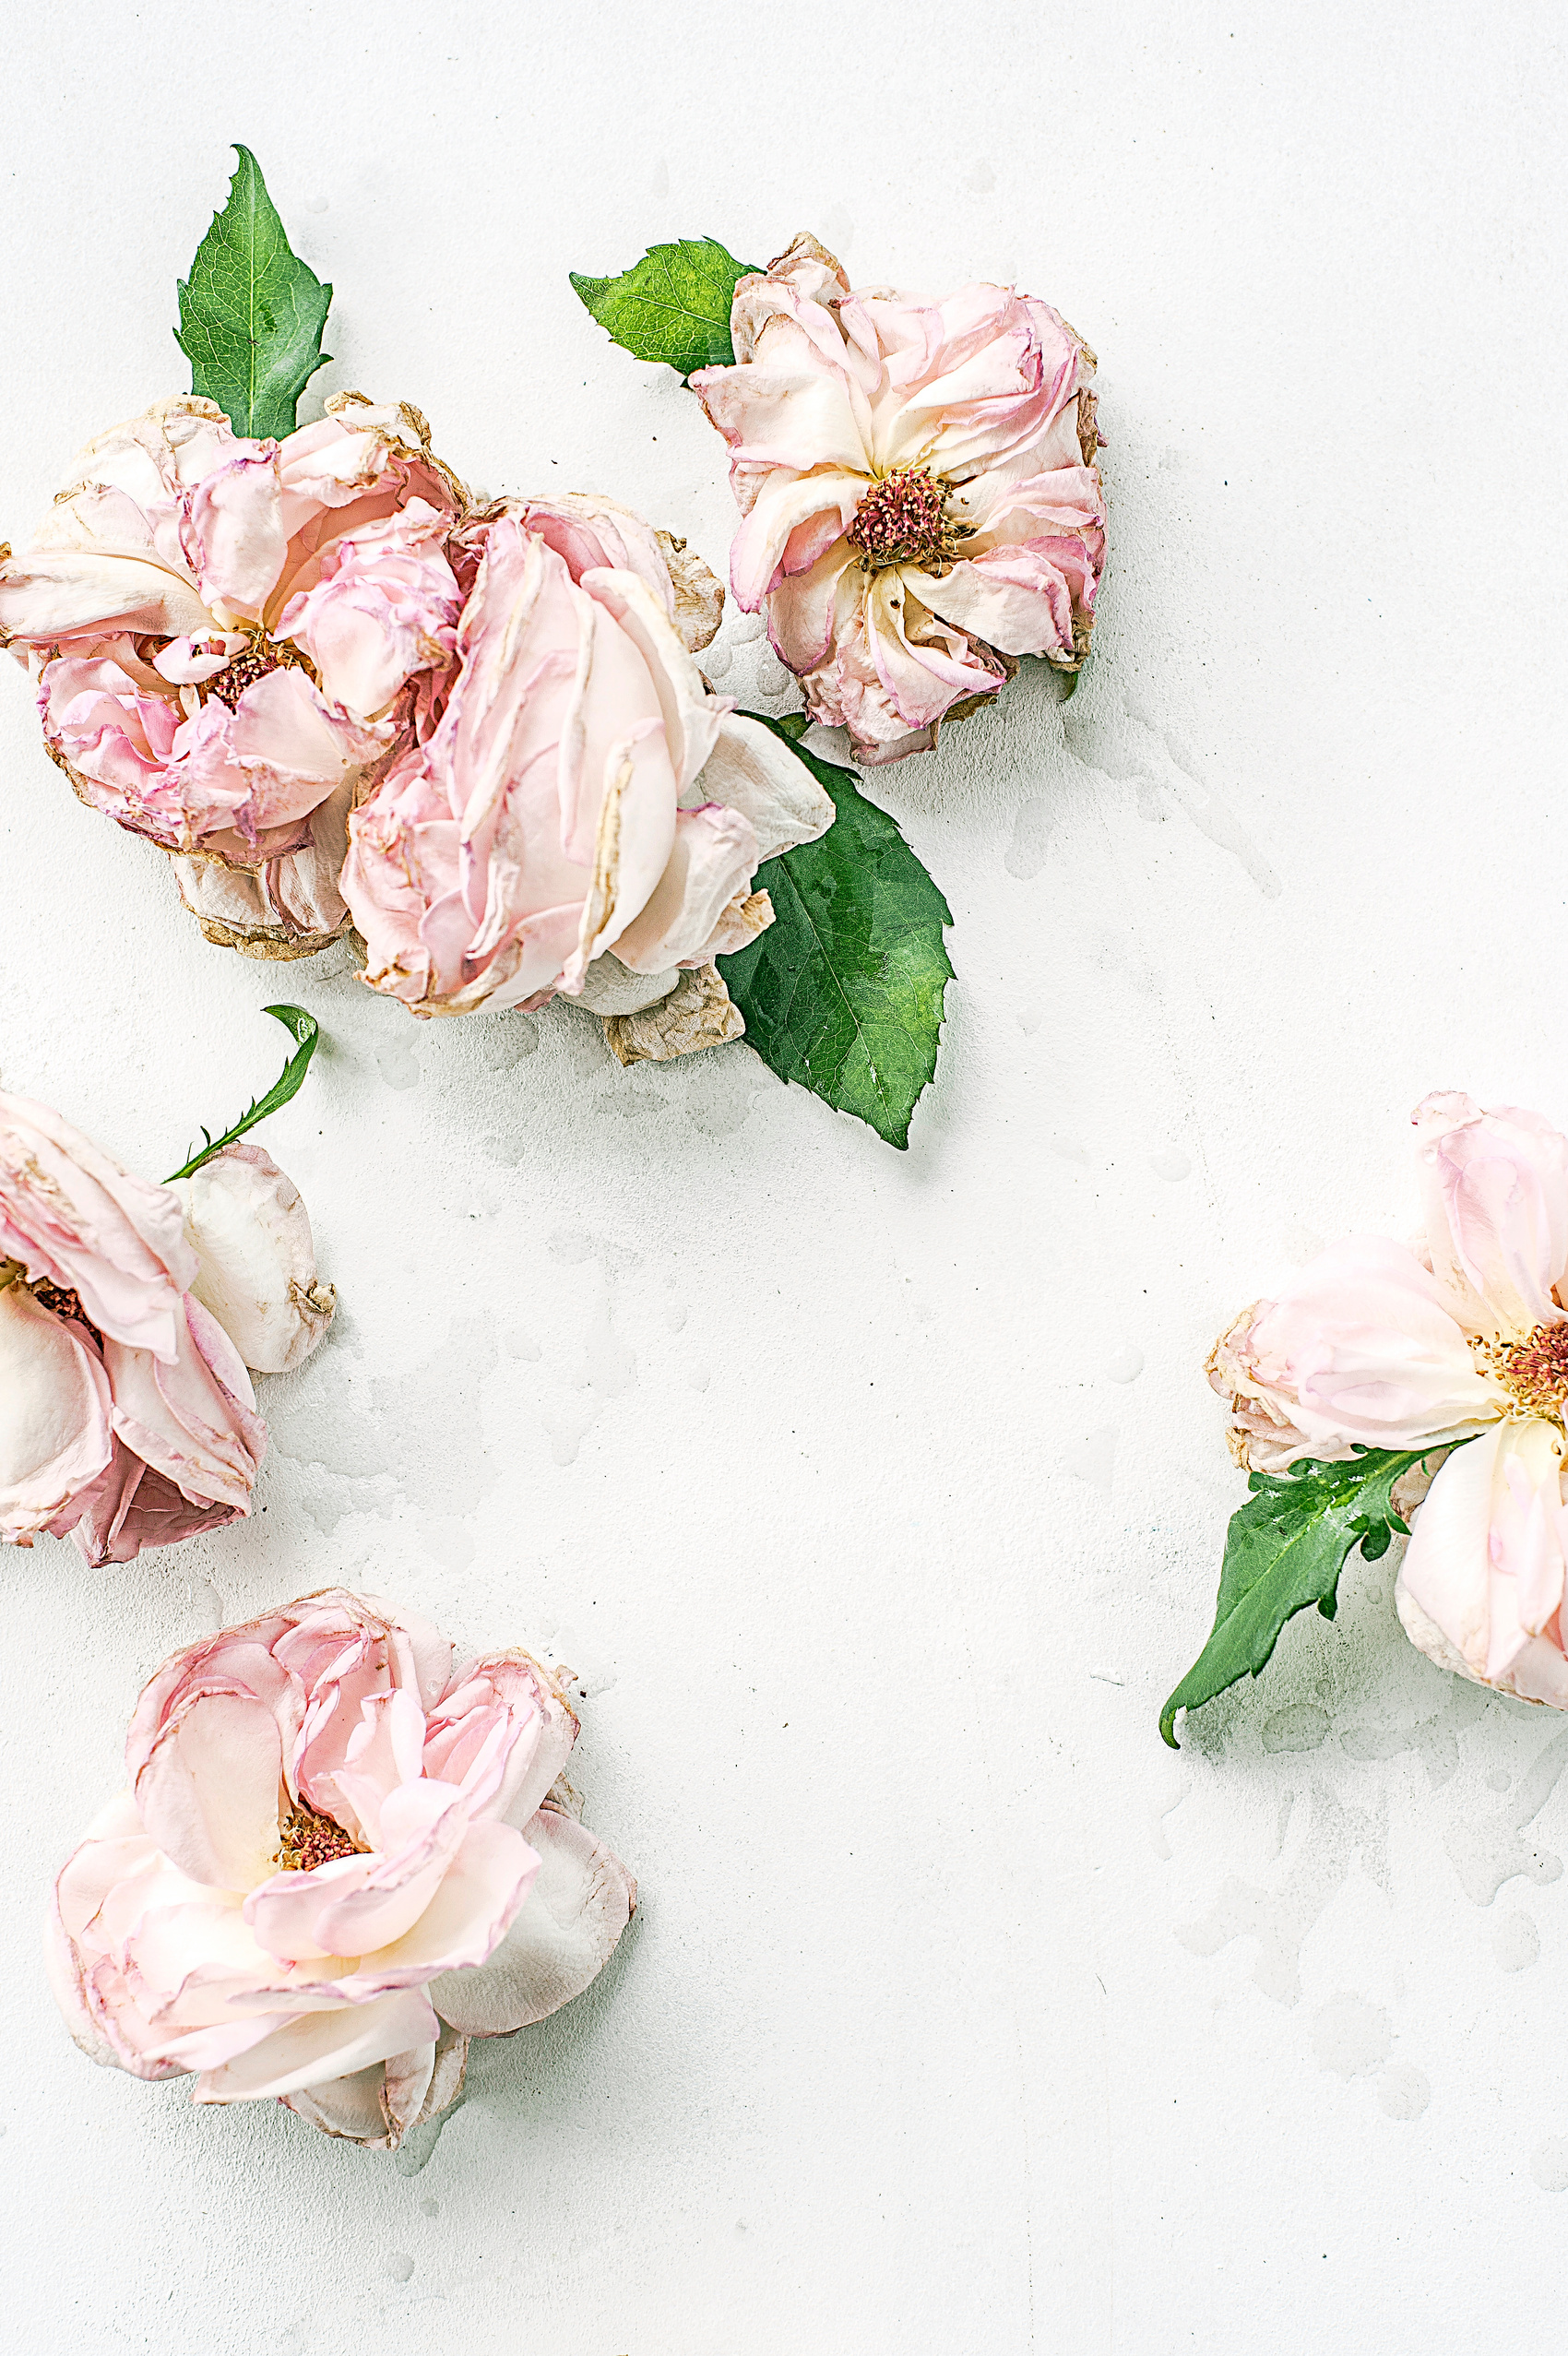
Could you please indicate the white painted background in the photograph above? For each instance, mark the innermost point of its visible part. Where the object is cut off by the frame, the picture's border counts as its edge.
(959, 2014)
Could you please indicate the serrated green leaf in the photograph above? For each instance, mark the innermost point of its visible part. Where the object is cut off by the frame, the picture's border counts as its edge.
(844, 991)
(673, 306)
(305, 1029)
(1285, 1549)
(251, 313)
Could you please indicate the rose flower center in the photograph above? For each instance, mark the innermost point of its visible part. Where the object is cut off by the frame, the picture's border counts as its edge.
(306, 1841)
(57, 1299)
(64, 1304)
(1534, 1371)
(901, 522)
(262, 655)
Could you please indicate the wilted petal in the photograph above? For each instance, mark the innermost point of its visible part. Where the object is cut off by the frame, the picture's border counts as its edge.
(612, 988)
(352, 2107)
(751, 771)
(804, 610)
(55, 1434)
(74, 1219)
(484, 1882)
(1022, 601)
(1486, 1559)
(209, 1791)
(698, 1013)
(1496, 1198)
(1361, 1349)
(130, 1506)
(320, 2045)
(579, 1905)
(237, 525)
(715, 856)
(57, 593)
(385, 606)
(193, 1420)
(804, 516)
(357, 1905)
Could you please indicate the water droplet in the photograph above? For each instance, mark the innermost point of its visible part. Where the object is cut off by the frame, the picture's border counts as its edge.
(1403, 2091)
(1171, 1163)
(1515, 1943)
(398, 2265)
(1351, 2037)
(1124, 1366)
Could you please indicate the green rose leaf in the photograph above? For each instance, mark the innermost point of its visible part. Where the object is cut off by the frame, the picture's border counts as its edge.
(1284, 1549)
(673, 306)
(843, 992)
(251, 313)
(303, 1027)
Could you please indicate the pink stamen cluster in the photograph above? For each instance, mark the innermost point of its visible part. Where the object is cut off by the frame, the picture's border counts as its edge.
(899, 521)
(260, 656)
(1535, 1370)
(307, 1840)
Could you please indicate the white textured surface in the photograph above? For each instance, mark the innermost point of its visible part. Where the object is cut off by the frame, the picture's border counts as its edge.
(880, 1496)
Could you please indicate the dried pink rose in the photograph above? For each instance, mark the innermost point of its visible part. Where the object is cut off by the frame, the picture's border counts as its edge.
(224, 633)
(340, 1854)
(584, 815)
(1463, 1339)
(921, 500)
(126, 1413)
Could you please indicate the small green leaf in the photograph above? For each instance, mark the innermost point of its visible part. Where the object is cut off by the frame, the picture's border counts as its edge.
(251, 313)
(303, 1027)
(673, 306)
(843, 992)
(1284, 1549)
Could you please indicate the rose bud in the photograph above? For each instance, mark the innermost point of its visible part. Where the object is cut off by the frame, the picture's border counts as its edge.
(339, 1855)
(585, 815)
(250, 1234)
(920, 495)
(224, 633)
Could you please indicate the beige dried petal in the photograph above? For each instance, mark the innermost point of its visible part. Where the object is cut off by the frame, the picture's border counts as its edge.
(445, 2079)
(380, 2107)
(349, 2107)
(746, 916)
(612, 988)
(699, 1012)
(699, 595)
(1262, 1437)
(236, 910)
(285, 907)
(802, 251)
